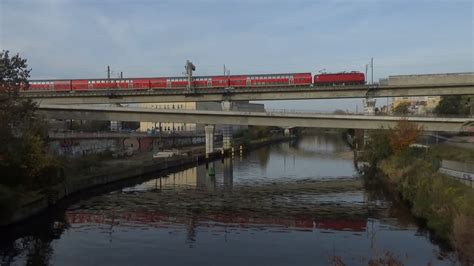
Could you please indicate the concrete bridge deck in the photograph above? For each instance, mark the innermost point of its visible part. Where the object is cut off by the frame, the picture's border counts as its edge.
(284, 119)
(253, 94)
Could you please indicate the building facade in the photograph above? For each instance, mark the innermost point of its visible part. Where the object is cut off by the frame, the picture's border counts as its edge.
(418, 105)
(159, 126)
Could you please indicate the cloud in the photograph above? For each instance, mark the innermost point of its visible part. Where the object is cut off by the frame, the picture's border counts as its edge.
(77, 39)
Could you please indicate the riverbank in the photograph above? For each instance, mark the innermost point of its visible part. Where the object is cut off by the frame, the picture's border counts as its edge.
(30, 206)
(445, 205)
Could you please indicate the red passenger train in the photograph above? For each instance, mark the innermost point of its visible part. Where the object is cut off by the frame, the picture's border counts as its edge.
(200, 82)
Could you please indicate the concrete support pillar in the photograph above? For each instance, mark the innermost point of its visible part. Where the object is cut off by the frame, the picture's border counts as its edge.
(116, 125)
(227, 129)
(209, 129)
(287, 132)
(227, 137)
(369, 106)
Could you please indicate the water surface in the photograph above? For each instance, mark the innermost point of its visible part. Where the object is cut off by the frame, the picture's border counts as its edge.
(299, 203)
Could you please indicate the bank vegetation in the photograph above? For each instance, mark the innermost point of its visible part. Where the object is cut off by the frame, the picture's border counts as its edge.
(444, 204)
(26, 167)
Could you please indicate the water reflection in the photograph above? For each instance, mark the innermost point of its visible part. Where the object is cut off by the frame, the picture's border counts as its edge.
(228, 172)
(297, 203)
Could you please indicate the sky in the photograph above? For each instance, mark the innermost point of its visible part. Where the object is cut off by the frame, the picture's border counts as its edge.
(78, 39)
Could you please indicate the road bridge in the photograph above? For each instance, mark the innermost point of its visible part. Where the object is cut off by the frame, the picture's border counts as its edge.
(281, 119)
(254, 94)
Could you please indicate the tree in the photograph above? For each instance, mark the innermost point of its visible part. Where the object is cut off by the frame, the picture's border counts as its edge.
(377, 147)
(453, 105)
(402, 108)
(402, 135)
(14, 74)
(24, 160)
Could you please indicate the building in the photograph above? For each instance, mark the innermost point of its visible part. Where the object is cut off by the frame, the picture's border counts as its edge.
(178, 127)
(425, 104)
(419, 104)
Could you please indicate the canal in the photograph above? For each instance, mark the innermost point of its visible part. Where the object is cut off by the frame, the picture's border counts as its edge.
(298, 203)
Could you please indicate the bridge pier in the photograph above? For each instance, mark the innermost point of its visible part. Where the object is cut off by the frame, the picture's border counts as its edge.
(227, 129)
(369, 106)
(287, 132)
(209, 129)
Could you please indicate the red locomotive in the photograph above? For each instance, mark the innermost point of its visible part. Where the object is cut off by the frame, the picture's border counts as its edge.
(199, 83)
(352, 78)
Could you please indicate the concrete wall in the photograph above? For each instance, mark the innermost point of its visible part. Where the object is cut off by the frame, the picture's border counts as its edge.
(431, 79)
(167, 126)
(80, 147)
(464, 172)
(458, 166)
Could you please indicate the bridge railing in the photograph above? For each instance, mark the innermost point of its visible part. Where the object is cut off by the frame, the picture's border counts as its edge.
(310, 112)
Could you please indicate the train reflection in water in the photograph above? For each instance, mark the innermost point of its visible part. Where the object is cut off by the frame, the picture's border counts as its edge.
(163, 220)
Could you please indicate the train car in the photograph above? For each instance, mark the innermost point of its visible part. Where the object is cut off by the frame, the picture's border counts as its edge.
(202, 82)
(302, 79)
(80, 85)
(62, 85)
(140, 84)
(220, 82)
(287, 79)
(177, 83)
(108, 84)
(171, 83)
(100, 84)
(40, 85)
(238, 81)
(343, 78)
(157, 83)
(122, 84)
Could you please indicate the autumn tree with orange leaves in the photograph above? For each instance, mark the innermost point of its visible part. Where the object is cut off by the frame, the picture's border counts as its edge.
(403, 134)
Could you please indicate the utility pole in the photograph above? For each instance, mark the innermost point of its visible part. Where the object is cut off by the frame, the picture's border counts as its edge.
(121, 75)
(189, 72)
(366, 69)
(372, 67)
(108, 72)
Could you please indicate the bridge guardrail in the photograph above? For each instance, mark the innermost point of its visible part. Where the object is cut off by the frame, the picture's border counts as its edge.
(309, 112)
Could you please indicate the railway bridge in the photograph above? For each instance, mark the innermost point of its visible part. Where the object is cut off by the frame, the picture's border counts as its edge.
(281, 119)
(249, 94)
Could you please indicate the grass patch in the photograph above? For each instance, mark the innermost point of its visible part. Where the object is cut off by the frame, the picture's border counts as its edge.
(448, 152)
